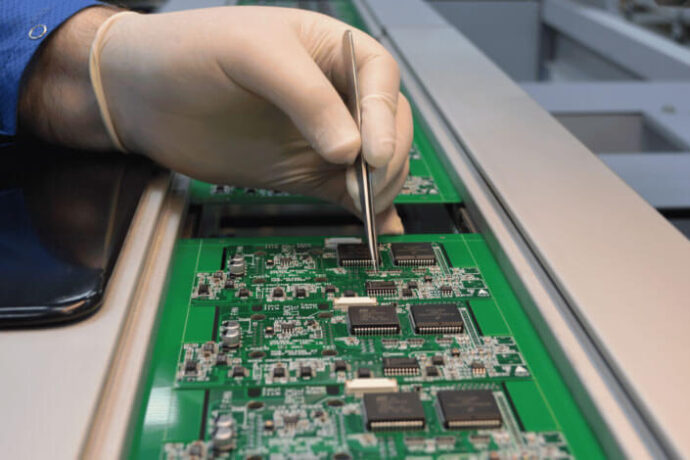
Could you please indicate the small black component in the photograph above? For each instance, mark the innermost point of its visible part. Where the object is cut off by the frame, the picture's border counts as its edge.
(221, 359)
(238, 371)
(412, 284)
(446, 290)
(381, 288)
(437, 360)
(322, 306)
(279, 372)
(258, 280)
(363, 373)
(468, 409)
(204, 289)
(278, 292)
(330, 289)
(393, 411)
(333, 390)
(437, 318)
(191, 367)
(428, 279)
(325, 315)
(269, 330)
(305, 372)
(243, 292)
(478, 369)
(432, 371)
(269, 263)
(300, 292)
(349, 293)
(455, 352)
(400, 366)
(407, 292)
(373, 320)
(413, 254)
(254, 392)
(340, 366)
(353, 255)
(257, 307)
(229, 284)
(291, 419)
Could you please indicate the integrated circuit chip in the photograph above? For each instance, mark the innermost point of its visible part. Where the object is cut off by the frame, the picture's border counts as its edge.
(393, 411)
(381, 288)
(400, 366)
(437, 318)
(373, 320)
(353, 255)
(468, 409)
(413, 254)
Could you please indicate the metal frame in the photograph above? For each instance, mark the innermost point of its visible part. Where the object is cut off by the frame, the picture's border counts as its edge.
(52, 379)
(606, 256)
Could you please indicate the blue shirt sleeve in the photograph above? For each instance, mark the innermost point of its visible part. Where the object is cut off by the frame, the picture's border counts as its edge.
(24, 24)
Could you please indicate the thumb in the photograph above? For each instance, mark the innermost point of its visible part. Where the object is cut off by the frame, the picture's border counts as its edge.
(287, 76)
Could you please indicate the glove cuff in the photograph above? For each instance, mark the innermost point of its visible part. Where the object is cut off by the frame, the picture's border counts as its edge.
(95, 75)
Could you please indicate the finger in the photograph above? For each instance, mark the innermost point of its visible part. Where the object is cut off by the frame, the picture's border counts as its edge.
(388, 222)
(381, 177)
(385, 197)
(379, 86)
(288, 77)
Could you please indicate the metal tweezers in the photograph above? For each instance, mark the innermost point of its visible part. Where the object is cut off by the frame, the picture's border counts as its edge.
(366, 198)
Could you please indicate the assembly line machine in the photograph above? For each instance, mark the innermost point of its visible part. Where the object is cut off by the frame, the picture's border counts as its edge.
(535, 306)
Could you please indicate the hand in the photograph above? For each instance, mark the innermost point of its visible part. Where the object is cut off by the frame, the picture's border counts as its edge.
(249, 96)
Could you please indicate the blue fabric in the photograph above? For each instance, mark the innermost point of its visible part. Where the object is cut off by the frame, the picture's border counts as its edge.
(19, 18)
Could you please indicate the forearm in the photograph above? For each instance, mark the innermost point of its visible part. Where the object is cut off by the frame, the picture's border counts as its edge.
(56, 101)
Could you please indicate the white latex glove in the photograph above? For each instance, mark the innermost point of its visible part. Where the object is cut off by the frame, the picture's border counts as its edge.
(249, 96)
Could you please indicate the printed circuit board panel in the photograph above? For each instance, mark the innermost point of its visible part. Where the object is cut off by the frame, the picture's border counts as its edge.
(295, 348)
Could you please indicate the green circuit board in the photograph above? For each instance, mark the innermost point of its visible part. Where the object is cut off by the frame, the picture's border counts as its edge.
(295, 348)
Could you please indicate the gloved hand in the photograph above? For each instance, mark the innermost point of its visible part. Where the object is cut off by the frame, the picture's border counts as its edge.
(249, 96)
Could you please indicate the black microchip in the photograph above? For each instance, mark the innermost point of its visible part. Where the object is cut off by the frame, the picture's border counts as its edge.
(400, 366)
(353, 255)
(437, 360)
(191, 367)
(278, 292)
(349, 293)
(363, 373)
(305, 372)
(322, 306)
(204, 289)
(243, 292)
(330, 289)
(393, 411)
(437, 318)
(238, 371)
(413, 254)
(300, 292)
(468, 409)
(412, 284)
(221, 359)
(381, 288)
(333, 390)
(229, 284)
(340, 366)
(373, 320)
(279, 372)
(446, 290)
(432, 371)
(407, 292)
